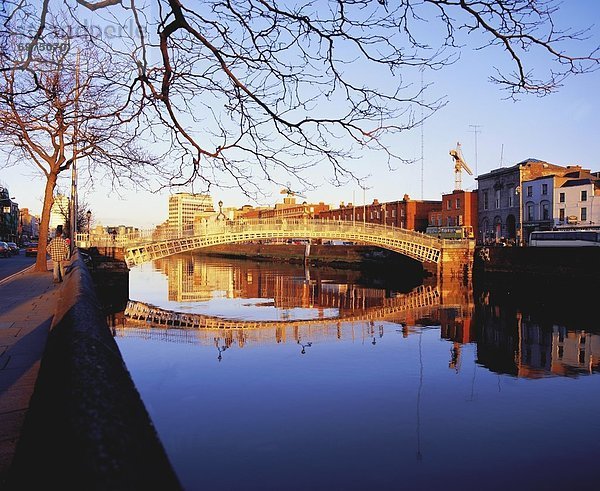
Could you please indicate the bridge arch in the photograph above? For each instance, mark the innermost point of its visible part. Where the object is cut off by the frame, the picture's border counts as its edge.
(423, 248)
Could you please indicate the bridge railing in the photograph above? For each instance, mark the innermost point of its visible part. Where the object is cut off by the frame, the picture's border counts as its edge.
(287, 227)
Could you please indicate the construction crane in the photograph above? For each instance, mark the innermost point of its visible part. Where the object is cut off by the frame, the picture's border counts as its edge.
(287, 191)
(459, 165)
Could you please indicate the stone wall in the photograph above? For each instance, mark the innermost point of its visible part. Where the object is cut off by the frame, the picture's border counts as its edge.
(87, 427)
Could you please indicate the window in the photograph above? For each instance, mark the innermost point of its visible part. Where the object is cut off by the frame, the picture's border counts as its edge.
(583, 214)
(529, 191)
(402, 212)
(583, 195)
(449, 205)
(371, 215)
(485, 200)
(545, 208)
(393, 213)
(511, 192)
(497, 199)
(386, 213)
(460, 219)
(544, 188)
(440, 221)
(561, 214)
(458, 203)
(561, 197)
(530, 212)
(449, 221)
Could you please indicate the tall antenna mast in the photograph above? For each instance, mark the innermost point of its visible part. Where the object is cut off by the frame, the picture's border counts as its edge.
(476, 131)
(502, 156)
(422, 138)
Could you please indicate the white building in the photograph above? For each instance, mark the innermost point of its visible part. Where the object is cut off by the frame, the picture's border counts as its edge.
(59, 213)
(577, 203)
(184, 207)
(561, 201)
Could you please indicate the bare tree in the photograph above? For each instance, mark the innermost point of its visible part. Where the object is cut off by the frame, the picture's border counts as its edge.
(244, 89)
(63, 108)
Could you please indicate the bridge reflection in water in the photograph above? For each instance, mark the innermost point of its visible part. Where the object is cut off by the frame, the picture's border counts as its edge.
(311, 306)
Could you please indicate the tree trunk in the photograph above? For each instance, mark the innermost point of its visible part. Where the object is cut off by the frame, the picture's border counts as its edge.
(41, 263)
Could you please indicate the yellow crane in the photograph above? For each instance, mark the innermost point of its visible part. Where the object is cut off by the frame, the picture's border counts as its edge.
(459, 165)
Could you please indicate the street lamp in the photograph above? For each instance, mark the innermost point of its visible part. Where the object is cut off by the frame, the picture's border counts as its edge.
(221, 215)
(89, 219)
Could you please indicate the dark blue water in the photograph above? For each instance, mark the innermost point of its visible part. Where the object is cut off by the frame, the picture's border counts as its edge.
(477, 392)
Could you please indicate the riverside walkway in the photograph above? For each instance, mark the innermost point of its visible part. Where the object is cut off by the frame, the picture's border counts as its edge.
(29, 300)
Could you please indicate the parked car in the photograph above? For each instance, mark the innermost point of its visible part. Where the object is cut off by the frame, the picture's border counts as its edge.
(4, 249)
(14, 248)
(31, 249)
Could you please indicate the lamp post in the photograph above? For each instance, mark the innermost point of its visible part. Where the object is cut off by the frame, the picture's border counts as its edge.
(221, 215)
(88, 215)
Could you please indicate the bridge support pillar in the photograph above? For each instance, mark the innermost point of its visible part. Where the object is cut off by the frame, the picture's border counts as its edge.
(457, 262)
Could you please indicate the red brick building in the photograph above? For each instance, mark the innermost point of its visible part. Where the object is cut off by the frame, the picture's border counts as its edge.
(407, 213)
(290, 209)
(459, 208)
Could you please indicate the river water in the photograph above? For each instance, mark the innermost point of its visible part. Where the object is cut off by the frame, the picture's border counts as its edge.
(366, 381)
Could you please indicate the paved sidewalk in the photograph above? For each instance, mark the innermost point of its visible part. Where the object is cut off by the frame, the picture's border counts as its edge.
(27, 305)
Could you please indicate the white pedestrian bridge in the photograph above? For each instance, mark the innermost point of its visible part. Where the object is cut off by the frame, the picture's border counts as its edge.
(143, 246)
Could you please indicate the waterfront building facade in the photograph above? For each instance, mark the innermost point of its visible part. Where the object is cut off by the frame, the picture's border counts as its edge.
(565, 201)
(459, 209)
(501, 193)
(577, 202)
(406, 213)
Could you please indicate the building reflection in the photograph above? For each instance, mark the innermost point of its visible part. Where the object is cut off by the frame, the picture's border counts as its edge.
(512, 333)
(527, 342)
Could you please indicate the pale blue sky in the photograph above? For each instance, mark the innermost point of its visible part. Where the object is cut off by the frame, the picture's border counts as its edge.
(562, 128)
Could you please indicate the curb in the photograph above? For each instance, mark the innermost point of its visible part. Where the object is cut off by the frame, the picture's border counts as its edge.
(14, 275)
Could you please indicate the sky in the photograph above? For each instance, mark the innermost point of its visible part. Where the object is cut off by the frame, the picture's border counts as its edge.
(562, 128)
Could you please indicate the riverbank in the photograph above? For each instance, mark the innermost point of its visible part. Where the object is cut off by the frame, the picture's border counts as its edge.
(538, 262)
(338, 256)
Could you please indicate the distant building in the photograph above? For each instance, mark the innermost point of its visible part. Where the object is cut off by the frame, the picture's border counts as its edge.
(459, 209)
(290, 209)
(30, 224)
(499, 198)
(406, 213)
(9, 217)
(59, 213)
(561, 201)
(185, 207)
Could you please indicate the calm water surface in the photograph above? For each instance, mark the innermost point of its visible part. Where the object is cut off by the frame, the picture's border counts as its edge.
(453, 389)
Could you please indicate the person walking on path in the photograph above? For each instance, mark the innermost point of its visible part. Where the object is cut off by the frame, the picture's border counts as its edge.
(59, 253)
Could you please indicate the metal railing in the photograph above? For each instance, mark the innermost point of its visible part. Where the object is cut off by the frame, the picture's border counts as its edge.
(145, 245)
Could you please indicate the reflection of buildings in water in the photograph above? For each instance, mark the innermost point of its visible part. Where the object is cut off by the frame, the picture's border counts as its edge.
(196, 278)
(193, 280)
(509, 342)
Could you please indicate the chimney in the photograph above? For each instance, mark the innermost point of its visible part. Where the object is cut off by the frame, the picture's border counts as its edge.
(375, 202)
(406, 198)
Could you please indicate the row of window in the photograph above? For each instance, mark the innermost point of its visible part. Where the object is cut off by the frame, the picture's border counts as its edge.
(511, 193)
(545, 212)
(449, 204)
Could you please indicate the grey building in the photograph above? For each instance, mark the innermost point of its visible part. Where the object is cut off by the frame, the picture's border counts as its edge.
(500, 214)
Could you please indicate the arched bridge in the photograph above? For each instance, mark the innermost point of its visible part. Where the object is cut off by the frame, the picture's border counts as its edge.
(147, 246)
